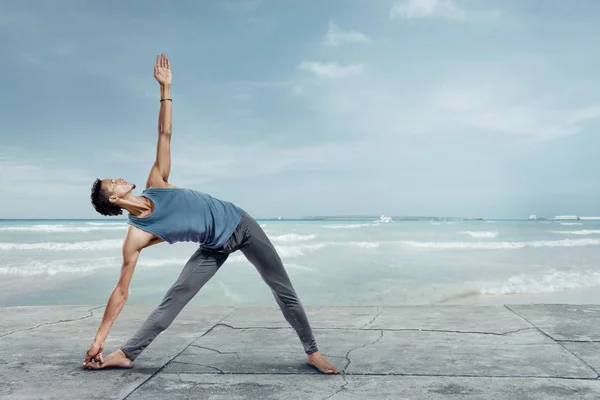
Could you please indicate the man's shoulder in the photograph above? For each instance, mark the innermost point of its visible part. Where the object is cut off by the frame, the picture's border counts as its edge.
(160, 185)
(137, 238)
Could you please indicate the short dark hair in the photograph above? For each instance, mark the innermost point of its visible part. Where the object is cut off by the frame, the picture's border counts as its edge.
(100, 201)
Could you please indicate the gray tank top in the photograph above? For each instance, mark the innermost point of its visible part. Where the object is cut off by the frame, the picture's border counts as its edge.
(186, 215)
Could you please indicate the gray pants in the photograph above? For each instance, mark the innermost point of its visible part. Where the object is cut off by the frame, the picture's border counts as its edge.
(204, 263)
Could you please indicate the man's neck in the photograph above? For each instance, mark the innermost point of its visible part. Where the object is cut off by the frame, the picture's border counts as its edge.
(137, 205)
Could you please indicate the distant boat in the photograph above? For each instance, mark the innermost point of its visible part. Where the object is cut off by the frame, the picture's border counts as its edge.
(532, 217)
(383, 218)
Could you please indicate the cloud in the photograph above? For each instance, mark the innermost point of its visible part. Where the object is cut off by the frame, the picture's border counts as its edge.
(331, 70)
(30, 178)
(414, 9)
(509, 108)
(223, 161)
(441, 9)
(470, 101)
(336, 36)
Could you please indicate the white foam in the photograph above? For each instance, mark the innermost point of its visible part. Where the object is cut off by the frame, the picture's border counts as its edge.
(555, 281)
(503, 245)
(62, 228)
(286, 251)
(228, 292)
(481, 234)
(108, 244)
(292, 237)
(298, 250)
(81, 266)
(346, 226)
(106, 223)
(299, 267)
(365, 245)
(571, 223)
(579, 232)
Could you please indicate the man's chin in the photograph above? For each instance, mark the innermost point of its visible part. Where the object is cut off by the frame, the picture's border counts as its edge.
(132, 186)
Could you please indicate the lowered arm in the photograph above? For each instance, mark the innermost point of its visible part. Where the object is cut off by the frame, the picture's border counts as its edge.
(135, 241)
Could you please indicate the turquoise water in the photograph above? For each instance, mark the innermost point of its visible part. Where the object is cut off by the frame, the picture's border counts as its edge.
(48, 262)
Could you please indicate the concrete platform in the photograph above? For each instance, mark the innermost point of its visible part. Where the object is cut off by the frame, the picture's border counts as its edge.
(448, 352)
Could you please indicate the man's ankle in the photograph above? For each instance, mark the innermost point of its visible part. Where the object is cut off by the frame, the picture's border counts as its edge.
(125, 355)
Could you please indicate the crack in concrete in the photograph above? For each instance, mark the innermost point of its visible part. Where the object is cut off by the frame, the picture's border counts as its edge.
(343, 387)
(576, 341)
(90, 311)
(177, 355)
(216, 351)
(381, 329)
(451, 331)
(379, 312)
(555, 341)
(399, 374)
(296, 353)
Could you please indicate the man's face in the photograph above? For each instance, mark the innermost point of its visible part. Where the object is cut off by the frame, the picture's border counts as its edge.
(117, 187)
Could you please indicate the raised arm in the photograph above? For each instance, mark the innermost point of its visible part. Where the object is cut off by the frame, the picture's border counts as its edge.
(159, 174)
(135, 241)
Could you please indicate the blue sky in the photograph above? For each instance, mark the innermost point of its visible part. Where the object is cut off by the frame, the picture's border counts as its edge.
(408, 107)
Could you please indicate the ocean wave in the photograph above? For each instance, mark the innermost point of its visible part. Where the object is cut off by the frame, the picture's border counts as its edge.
(229, 293)
(298, 250)
(34, 268)
(552, 282)
(107, 244)
(571, 223)
(503, 245)
(347, 226)
(287, 251)
(299, 267)
(292, 237)
(481, 234)
(106, 223)
(62, 228)
(579, 232)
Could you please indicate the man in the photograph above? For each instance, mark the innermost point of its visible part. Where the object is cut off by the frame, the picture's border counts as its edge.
(166, 213)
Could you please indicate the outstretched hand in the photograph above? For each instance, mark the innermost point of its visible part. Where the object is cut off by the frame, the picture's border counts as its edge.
(162, 70)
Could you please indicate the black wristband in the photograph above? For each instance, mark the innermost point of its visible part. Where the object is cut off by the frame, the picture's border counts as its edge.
(161, 100)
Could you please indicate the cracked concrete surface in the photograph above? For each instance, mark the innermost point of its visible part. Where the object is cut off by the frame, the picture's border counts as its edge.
(443, 352)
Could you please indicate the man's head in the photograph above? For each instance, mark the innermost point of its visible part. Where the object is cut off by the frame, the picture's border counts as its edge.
(107, 194)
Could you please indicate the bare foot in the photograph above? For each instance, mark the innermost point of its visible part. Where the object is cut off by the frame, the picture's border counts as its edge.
(116, 359)
(319, 362)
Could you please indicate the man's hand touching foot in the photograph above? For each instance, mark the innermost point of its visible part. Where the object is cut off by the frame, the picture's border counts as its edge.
(116, 359)
(94, 353)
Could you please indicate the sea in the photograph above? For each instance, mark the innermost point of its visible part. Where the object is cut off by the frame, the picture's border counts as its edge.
(330, 263)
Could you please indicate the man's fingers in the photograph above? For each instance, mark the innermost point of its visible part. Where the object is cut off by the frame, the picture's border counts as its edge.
(168, 63)
(157, 61)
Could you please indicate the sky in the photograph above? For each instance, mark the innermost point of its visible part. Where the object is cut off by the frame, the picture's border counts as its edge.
(467, 108)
